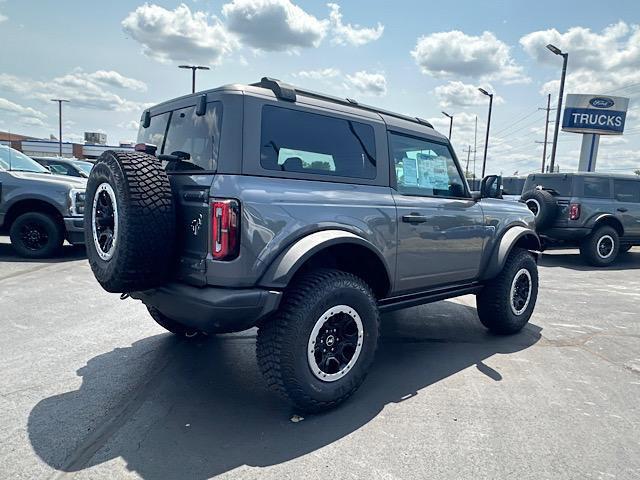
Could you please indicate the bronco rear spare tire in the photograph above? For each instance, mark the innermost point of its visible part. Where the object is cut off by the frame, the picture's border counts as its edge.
(129, 221)
(543, 206)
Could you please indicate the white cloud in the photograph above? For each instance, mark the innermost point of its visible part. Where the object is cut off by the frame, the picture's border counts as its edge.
(114, 79)
(130, 125)
(455, 53)
(321, 74)
(9, 106)
(81, 88)
(274, 25)
(367, 83)
(179, 34)
(459, 94)
(3, 18)
(351, 34)
(598, 62)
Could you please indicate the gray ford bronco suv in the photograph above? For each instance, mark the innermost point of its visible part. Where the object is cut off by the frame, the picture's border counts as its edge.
(307, 216)
(38, 210)
(598, 212)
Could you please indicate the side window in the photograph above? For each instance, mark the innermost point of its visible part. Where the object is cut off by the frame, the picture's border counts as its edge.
(295, 141)
(627, 190)
(154, 133)
(596, 187)
(196, 138)
(59, 169)
(425, 168)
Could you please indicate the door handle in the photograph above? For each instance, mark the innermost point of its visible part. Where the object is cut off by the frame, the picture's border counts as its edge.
(414, 218)
(622, 209)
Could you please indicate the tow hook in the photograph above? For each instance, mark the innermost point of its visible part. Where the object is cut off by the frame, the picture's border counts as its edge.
(124, 296)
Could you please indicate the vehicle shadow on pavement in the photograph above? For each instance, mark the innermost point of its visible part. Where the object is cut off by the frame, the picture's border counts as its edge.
(67, 253)
(573, 260)
(199, 410)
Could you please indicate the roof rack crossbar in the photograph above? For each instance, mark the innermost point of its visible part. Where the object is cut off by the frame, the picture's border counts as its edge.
(288, 92)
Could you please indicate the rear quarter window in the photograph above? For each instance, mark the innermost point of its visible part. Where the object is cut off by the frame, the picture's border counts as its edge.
(303, 142)
(596, 187)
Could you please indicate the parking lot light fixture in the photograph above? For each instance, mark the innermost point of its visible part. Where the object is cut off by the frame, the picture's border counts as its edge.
(60, 102)
(486, 140)
(565, 57)
(193, 69)
(450, 122)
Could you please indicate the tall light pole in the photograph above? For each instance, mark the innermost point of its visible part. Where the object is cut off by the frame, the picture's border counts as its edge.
(450, 123)
(565, 57)
(486, 140)
(193, 69)
(60, 102)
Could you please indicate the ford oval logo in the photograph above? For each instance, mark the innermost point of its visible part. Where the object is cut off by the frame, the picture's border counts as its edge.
(600, 102)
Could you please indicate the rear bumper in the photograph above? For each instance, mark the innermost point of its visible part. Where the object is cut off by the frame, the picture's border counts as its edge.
(75, 229)
(212, 309)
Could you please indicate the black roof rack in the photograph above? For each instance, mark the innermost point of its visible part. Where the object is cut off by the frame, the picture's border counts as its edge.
(288, 92)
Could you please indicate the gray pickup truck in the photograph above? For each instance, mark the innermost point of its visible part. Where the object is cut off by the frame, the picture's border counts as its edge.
(597, 212)
(307, 216)
(37, 209)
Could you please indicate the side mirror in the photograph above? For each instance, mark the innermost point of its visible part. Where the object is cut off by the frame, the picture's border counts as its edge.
(491, 187)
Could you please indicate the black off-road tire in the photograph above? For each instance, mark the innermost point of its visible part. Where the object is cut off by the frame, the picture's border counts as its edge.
(495, 300)
(50, 233)
(543, 205)
(142, 257)
(172, 326)
(283, 340)
(591, 247)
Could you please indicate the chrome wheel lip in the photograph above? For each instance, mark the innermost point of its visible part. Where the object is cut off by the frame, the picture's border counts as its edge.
(537, 206)
(311, 359)
(106, 188)
(519, 274)
(605, 238)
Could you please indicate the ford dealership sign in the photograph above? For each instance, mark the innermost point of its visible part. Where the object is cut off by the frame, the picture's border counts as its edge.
(598, 114)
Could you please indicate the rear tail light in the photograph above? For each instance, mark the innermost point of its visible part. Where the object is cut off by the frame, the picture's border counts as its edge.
(226, 229)
(574, 211)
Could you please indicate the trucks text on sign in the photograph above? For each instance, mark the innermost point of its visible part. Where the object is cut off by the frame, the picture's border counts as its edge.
(597, 114)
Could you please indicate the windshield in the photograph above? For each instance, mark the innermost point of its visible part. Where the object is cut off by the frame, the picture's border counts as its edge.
(84, 167)
(16, 161)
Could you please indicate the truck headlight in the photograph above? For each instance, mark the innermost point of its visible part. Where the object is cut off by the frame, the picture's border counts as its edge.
(77, 199)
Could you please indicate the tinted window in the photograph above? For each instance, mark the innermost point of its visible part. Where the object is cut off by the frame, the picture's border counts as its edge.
(560, 184)
(61, 169)
(197, 136)
(154, 133)
(425, 168)
(627, 190)
(512, 186)
(16, 161)
(596, 187)
(294, 141)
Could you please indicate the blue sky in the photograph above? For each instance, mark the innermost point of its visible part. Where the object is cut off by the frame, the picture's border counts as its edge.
(416, 57)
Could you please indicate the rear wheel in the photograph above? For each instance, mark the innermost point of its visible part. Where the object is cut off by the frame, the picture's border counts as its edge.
(36, 235)
(601, 247)
(173, 326)
(506, 303)
(318, 348)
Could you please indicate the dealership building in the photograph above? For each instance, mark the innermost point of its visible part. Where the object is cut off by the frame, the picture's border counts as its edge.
(37, 147)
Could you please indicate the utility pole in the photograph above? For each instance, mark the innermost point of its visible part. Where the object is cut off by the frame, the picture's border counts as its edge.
(60, 102)
(546, 131)
(450, 123)
(486, 141)
(193, 69)
(565, 59)
(475, 147)
(466, 171)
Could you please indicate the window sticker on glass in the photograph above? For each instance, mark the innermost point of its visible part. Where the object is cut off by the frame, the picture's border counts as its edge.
(410, 171)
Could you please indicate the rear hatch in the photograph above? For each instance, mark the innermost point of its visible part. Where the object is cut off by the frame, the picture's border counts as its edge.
(187, 141)
(560, 185)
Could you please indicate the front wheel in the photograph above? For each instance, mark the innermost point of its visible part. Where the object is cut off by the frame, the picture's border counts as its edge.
(318, 348)
(506, 303)
(36, 235)
(600, 249)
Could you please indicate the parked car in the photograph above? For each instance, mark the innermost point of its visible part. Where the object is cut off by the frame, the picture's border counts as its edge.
(65, 166)
(512, 187)
(597, 212)
(37, 209)
(305, 215)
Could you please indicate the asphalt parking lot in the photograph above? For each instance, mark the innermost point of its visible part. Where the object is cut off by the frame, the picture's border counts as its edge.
(92, 388)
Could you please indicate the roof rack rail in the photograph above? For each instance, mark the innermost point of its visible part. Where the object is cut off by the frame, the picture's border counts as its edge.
(288, 92)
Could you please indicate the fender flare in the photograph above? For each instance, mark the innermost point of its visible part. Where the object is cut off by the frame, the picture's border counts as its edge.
(285, 266)
(503, 248)
(605, 216)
